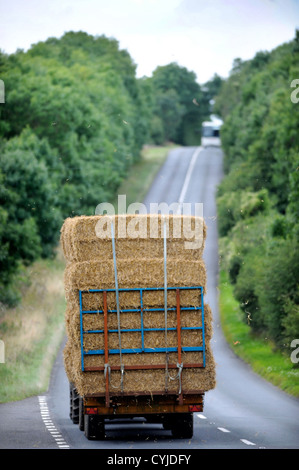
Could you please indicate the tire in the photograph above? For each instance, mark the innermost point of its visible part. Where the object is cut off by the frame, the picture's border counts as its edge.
(74, 404)
(167, 423)
(76, 399)
(94, 427)
(81, 414)
(182, 425)
(71, 402)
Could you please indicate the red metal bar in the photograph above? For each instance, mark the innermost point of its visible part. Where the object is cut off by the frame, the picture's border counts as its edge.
(106, 346)
(161, 393)
(146, 366)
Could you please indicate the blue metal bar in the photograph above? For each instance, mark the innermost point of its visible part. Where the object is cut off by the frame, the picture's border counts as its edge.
(141, 320)
(139, 350)
(81, 331)
(142, 330)
(143, 288)
(137, 310)
(203, 329)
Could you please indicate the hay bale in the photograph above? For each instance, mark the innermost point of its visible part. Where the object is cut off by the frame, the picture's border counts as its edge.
(144, 381)
(93, 382)
(87, 238)
(68, 361)
(130, 320)
(137, 273)
(87, 246)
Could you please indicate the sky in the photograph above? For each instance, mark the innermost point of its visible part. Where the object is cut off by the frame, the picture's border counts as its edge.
(205, 36)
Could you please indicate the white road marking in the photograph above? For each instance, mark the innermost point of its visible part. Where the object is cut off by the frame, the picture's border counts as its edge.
(45, 414)
(247, 442)
(223, 430)
(187, 179)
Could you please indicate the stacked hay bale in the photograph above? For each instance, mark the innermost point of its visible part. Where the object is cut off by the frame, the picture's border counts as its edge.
(139, 257)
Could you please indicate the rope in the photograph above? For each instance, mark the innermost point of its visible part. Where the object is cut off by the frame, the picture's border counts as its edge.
(165, 304)
(107, 370)
(180, 366)
(117, 304)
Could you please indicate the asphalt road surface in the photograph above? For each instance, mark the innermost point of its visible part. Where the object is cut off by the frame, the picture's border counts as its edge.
(243, 412)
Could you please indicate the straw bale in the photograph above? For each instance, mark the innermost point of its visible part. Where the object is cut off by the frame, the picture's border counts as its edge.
(94, 301)
(131, 320)
(140, 264)
(69, 365)
(89, 237)
(153, 358)
(93, 382)
(135, 273)
(144, 381)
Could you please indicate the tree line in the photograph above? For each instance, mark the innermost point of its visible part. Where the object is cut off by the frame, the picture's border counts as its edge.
(74, 121)
(258, 199)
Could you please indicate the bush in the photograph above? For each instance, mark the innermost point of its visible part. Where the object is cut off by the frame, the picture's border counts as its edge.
(258, 198)
(238, 205)
(74, 120)
(278, 289)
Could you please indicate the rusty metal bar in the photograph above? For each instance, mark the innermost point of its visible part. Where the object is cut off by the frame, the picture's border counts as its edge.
(161, 393)
(146, 366)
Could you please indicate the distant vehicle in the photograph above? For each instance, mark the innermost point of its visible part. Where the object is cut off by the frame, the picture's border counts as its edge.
(211, 132)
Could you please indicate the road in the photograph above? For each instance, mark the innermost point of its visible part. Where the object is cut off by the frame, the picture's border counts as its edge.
(242, 412)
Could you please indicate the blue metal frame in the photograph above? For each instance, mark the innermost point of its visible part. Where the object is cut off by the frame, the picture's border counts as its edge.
(141, 330)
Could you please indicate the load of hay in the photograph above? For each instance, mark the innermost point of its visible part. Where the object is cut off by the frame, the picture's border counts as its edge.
(140, 261)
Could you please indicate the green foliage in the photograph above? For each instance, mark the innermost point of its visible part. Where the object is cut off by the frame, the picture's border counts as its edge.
(74, 120)
(278, 290)
(179, 104)
(258, 198)
(239, 205)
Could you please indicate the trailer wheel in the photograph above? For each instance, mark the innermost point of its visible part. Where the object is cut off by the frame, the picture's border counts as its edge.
(74, 404)
(71, 401)
(182, 425)
(94, 427)
(81, 414)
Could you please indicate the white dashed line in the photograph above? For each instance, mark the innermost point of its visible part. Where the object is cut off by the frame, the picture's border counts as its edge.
(44, 411)
(223, 430)
(247, 442)
(187, 179)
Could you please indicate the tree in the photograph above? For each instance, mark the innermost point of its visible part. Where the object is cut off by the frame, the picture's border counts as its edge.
(179, 101)
(261, 148)
(74, 121)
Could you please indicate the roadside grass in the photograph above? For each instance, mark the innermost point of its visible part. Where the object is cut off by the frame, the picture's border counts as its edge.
(33, 331)
(257, 351)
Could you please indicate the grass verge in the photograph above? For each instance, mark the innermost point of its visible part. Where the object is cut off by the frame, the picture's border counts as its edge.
(257, 351)
(33, 331)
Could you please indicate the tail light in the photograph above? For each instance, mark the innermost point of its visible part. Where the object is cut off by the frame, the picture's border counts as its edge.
(195, 408)
(91, 410)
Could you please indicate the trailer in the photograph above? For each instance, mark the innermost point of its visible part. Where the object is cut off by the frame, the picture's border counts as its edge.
(173, 411)
(137, 352)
